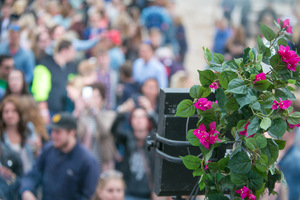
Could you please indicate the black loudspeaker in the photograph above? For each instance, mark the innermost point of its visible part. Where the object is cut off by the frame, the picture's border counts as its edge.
(171, 177)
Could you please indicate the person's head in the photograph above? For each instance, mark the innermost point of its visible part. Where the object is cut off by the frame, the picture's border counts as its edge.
(97, 98)
(16, 84)
(43, 40)
(74, 88)
(14, 35)
(6, 66)
(140, 123)
(87, 67)
(5, 10)
(155, 37)
(103, 59)
(126, 72)
(57, 32)
(146, 51)
(66, 50)
(150, 89)
(11, 116)
(63, 130)
(111, 186)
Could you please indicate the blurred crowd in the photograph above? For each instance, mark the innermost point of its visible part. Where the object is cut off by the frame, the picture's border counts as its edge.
(79, 88)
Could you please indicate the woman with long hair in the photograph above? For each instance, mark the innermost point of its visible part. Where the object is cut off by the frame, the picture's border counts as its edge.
(14, 133)
(16, 84)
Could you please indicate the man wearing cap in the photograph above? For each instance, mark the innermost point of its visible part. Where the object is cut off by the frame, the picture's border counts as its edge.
(65, 169)
(24, 58)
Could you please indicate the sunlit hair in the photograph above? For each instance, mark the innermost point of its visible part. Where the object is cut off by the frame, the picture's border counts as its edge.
(31, 113)
(107, 176)
(21, 124)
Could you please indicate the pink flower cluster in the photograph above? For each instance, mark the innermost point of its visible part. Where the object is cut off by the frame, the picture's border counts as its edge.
(244, 132)
(203, 104)
(246, 193)
(214, 85)
(206, 138)
(286, 25)
(281, 104)
(288, 56)
(259, 77)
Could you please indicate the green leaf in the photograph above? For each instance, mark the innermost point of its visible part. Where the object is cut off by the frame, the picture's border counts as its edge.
(258, 66)
(255, 181)
(262, 163)
(201, 182)
(212, 165)
(246, 58)
(275, 60)
(204, 92)
(284, 94)
(292, 81)
(246, 99)
(238, 179)
(294, 118)
(220, 176)
(218, 58)
(256, 106)
(223, 162)
(217, 197)
(195, 91)
(261, 141)
(271, 151)
(198, 172)
(272, 179)
(207, 153)
(185, 108)
(251, 143)
(280, 143)
(216, 67)
(207, 54)
(259, 57)
(206, 77)
(253, 126)
(237, 86)
(241, 125)
(282, 42)
(265, 123)
(221, 97)
(192, 138)
(191, 162)
(232, 104)
(278, 127)
(261, 45)
(267, 32)
(231, 64)
(291, 89)
(240, 163)
(262, 85)
(225, 77)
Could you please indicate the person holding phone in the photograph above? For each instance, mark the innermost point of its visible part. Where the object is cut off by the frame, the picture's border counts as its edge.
(94, 126)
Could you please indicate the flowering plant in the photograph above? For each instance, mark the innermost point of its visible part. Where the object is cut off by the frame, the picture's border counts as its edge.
(252, 104)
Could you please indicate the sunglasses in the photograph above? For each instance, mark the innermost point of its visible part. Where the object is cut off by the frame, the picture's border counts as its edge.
(111, 174)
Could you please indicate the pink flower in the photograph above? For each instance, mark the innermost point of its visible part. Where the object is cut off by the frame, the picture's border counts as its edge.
(214, 85)
(286, 25)
(281, 104)
(206, 138)
(244, 192)
(260, 77)
(205, 166)
(293, 126)
(252, 197)
(245, 131)
(203, 104)
(288, 56)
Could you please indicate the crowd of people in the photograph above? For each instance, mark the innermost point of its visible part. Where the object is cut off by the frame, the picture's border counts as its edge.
(79, 88)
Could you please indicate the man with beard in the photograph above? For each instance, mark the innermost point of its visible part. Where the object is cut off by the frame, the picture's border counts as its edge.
(65, 169)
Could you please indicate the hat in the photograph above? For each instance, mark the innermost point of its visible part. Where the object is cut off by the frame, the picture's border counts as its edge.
(114, 36)
(14, 27)
(63, 120)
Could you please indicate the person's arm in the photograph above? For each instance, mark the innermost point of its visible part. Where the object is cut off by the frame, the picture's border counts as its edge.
(83, 45)
(90, 178)
(32, 179)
